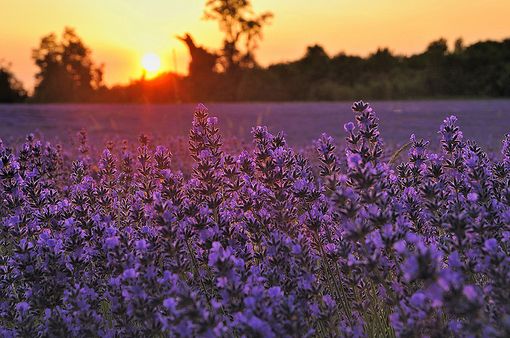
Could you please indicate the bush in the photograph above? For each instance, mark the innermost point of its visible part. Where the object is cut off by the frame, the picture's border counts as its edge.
(256, 244)
(11, 89)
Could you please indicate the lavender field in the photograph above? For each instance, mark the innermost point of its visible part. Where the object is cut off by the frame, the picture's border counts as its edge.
(485, 121)
(269, 241)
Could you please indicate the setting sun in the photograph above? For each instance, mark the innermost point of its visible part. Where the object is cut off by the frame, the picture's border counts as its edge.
(151, 62)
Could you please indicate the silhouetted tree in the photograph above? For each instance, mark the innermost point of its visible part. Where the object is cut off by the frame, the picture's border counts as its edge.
(202, 61)
(202, 79)
(382, 61)
(477, 70)
(315, 64)
(436, 63)
(66, 70)
(242, 28)
(11, 89)
(459, 46)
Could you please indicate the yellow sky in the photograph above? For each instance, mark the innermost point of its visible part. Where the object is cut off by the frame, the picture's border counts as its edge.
(120, 32)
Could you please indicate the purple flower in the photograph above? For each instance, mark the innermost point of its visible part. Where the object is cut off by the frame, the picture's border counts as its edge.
(141, 244)
(275, 292)
(260, 326)
(418, 299)
(329, 301)
(400, 247)
(491, 245)
(129, 273)
(349, 127)
(22, 307)
(212, 120)
(354, 161)
(454, 260)
(111, 242)
(472, 197)
(470, 292)
(170, 304)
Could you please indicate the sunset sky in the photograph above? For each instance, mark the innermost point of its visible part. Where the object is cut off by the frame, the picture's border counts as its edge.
(121, 32)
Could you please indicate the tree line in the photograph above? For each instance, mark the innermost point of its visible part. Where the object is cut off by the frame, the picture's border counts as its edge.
(67, 72)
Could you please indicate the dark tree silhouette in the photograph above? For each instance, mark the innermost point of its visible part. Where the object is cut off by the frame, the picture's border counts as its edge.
(68, 74)
(202, 75)
(202, 61)
(66, 70)
(242, 28)
(11, 89)
(459, 46)
(478, 70)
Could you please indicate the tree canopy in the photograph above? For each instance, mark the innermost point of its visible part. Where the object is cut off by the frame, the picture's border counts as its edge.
(11, 89)
(66, 70)
(242, 29)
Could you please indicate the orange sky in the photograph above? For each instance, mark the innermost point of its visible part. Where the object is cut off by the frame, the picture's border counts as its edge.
(120, 32)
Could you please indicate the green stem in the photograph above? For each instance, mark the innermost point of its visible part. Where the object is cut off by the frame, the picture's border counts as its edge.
(196, 271)
(340, 292)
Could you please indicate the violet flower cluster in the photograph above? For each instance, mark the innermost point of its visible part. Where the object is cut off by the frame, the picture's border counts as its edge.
(258, 244)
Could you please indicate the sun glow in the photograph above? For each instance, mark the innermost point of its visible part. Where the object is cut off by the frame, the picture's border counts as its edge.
(151, 63)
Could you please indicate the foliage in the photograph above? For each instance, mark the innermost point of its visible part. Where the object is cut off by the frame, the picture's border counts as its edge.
(66, 70)
(260, 243)
(478, 70)
(68, 74)
(241, 27)
(11, 89)
(202, 71)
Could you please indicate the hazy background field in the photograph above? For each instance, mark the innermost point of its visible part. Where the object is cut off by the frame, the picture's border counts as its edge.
(486, 121)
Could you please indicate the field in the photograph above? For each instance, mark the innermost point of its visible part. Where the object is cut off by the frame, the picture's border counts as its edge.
(485, 121)
(338, 240)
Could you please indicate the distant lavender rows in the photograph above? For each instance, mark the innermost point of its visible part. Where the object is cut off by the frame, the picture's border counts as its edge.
(485, 121)
(262, 242)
